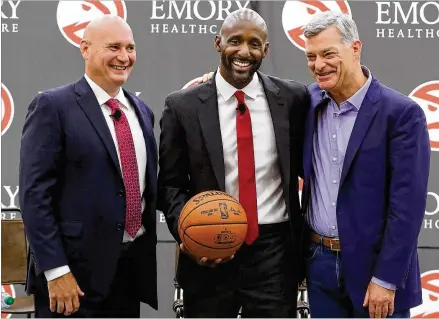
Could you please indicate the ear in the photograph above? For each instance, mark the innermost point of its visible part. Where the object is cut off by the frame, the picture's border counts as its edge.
(217, 43)
(356, 46)
(266, 46)
(84, 48)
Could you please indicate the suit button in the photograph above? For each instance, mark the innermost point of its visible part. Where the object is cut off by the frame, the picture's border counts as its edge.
(121, 192)
(119, 226)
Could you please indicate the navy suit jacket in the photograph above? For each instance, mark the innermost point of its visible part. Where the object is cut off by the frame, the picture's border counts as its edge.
(382, 195)
(72, 192)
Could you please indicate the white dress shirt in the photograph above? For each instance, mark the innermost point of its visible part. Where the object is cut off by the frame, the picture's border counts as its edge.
(270, 201)
(139, 146)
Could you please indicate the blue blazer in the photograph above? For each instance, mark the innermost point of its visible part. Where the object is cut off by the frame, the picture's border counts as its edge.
(72, 192)
(382, 195)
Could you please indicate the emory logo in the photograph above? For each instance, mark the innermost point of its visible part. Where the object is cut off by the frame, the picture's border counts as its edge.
(9, 289)
(413, 19)
(430, 296)
(74, 16)
(296, 14)
(191, 17)
(9, 15)
(427, 96)
(7, 109)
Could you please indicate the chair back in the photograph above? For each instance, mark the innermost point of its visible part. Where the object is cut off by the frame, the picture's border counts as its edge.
(14, 252)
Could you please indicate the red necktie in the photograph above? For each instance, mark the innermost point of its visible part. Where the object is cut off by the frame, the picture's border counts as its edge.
(133, 214)
(246, 167)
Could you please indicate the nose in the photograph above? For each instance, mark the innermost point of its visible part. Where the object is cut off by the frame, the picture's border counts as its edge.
(244, 51)
(123, 56)
(319, 63)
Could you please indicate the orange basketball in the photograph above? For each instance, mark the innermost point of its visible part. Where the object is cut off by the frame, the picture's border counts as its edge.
(212, 224)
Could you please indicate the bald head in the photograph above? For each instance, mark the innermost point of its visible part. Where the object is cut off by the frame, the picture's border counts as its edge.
(243, 14)
(104, 24)
(109, 52)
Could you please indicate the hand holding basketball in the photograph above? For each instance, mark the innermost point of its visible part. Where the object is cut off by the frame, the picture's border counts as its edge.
(212, 227)
(204, 261)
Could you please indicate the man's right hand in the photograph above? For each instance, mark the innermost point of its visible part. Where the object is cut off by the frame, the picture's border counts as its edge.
(64, 294)
(204, 261)
(207, 77)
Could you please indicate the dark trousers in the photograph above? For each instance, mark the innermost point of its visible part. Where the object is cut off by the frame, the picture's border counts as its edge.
(327, 293)
(259, 279)
(120, 302)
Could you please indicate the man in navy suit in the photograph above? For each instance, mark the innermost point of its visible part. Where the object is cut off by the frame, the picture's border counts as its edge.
(88, 168)
(366, 168)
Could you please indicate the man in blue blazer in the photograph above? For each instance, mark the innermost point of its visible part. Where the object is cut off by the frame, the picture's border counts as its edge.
(366, 168)
(88, 166)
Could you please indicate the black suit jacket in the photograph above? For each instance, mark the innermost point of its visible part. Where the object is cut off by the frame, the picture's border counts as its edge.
(191, 151)
(72, 192)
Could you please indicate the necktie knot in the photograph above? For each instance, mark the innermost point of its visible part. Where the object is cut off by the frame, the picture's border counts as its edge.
(240, 96)
(113, 104)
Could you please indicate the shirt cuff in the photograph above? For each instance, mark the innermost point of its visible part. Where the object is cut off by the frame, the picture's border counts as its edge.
(383, 284)
(56, 272)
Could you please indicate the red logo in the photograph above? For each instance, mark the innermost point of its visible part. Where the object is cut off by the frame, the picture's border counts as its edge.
(296, 14)
(7, 109)
(11, 291)
(192, 83)
(427, 96)
(74, 16)
(430, 296)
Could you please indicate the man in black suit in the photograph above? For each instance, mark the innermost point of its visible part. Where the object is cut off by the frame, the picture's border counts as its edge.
(240, 132)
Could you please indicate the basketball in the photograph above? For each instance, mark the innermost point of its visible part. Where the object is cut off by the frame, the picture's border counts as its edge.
(212, 224)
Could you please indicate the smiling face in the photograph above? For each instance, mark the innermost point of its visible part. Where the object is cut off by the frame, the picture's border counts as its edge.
(242, 45)
(109, 52)
(332, 63)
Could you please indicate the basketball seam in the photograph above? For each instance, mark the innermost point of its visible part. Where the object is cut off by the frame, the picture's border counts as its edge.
(214, 200)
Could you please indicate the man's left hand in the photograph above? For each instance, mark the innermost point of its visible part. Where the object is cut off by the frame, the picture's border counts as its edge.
(380, 301)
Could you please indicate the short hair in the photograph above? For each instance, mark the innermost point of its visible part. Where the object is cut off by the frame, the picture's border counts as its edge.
(244, 14)
(322, 21)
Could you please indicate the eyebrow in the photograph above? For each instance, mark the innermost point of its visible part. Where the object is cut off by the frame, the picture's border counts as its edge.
(118, 43)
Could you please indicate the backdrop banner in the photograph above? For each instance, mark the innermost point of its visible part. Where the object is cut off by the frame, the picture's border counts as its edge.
(174, 39)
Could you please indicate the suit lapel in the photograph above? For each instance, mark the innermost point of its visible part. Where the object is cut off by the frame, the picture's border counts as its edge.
(210, 126)
(281, 125)
(365, 116)
(89, 104)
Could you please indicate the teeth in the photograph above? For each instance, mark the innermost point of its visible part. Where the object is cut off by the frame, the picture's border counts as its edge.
(324, 74)
(117, 67)
(241, 63)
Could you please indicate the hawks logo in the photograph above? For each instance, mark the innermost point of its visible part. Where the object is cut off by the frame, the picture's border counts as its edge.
(74, 16)
(7, 109)
(427, 96)
(193, 82)
(296, 14)
(430, 296)
(9, 289)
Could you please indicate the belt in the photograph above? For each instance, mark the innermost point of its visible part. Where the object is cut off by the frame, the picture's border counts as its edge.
(328, 242)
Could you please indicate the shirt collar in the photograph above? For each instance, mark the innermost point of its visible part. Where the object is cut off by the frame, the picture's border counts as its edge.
(227, 90)
(357, 99)
(103, 96)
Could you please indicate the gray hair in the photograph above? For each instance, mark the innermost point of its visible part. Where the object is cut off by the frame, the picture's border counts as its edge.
(322, 21)
(244, 14)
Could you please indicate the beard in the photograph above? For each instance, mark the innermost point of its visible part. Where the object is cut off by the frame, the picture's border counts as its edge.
(239, 78)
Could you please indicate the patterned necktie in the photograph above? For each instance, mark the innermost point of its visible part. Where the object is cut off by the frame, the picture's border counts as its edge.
(133, 214)
(246, 167)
